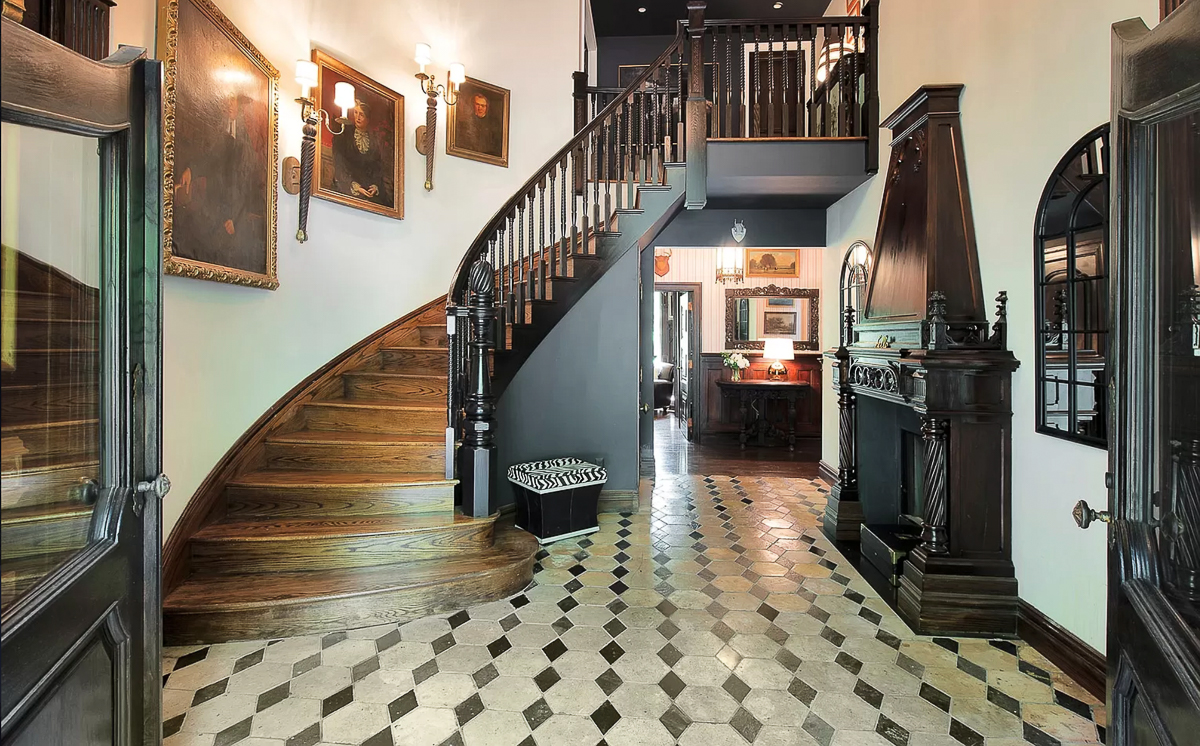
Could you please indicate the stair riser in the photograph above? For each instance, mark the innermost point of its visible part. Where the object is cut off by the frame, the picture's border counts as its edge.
(55, 444)
(33, 334)
(29, 538)
(26, 405)
(41, 487)
(38, 367)
(414, 361)
(371, 459)
(382, 421)
(324, 553)
(432, 336)
(311, 502)
(368, 387)
(387, 607)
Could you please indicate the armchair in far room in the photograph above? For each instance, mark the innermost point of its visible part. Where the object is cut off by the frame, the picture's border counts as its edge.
(664, 385)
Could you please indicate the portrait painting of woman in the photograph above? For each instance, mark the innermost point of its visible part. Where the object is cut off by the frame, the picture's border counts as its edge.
(360, 162)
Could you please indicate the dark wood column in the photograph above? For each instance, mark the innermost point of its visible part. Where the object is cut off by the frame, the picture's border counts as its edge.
(843, 511)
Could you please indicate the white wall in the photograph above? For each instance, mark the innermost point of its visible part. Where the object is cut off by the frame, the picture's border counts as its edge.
(700, 265)
(1037, 79)
(231, 352)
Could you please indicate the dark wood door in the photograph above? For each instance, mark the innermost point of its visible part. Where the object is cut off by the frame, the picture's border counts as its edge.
(79, 367)
(1154, 458)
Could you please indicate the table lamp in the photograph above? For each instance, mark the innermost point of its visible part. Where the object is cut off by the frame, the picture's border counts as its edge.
(778, 350)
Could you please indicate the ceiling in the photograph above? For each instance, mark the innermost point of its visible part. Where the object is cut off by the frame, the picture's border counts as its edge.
(621, 17)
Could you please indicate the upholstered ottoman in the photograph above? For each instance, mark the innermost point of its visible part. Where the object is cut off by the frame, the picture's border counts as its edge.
(557, 499)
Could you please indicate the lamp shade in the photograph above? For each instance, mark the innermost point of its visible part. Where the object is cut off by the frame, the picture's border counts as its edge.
(775, 348)
(306, 74)
(343, 96)
(423, 55)
(458, 73)
(731, 264)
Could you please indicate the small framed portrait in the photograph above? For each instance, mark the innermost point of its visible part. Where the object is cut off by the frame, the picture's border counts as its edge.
(362, 165)
(780, 323)
(477, 127)
(772, 262)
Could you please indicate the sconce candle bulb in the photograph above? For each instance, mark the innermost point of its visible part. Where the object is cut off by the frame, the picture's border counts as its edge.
(306, 76)
(343, 97)
(423, 55)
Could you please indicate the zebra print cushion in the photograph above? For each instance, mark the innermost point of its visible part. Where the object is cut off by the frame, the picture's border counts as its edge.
(556, 474)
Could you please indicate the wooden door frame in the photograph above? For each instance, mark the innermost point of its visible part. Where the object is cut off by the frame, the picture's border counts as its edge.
(50, 87)
(1138, 610)
(697, 290)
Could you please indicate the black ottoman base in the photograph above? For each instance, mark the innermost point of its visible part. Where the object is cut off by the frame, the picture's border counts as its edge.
(562, 514)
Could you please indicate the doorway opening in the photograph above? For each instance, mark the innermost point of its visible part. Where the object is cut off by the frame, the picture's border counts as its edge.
(676, 347)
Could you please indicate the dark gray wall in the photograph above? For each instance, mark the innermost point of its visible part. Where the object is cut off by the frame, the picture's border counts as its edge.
(577, 393)
(614, 51)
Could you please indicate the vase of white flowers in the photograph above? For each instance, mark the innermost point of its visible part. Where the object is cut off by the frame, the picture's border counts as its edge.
(736, 362)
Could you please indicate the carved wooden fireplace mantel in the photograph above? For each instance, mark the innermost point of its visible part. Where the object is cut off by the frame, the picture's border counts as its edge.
(925, 365)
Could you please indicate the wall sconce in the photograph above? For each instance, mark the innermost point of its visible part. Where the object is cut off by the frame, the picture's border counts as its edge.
(731, 260)
(298, 175)
(427, 133)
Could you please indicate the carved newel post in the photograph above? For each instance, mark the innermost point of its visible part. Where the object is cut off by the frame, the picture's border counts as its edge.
(843, 511)
(933, 534)
(477, 453)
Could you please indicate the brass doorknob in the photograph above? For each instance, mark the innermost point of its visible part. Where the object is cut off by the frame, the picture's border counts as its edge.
(1084, 515)
(645, 407)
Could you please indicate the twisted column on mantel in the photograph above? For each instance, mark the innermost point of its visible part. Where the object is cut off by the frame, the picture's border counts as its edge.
(934, 535)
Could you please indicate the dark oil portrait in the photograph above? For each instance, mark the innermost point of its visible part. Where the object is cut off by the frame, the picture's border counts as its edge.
(478, 124)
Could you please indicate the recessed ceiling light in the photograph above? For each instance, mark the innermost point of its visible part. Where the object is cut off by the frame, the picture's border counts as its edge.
(778, 6)
(641, 10)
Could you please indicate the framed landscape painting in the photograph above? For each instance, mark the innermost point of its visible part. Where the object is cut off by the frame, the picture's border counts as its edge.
(772, 262)
(220, 149)
(779, 323)
(477, 125)
(363, 164)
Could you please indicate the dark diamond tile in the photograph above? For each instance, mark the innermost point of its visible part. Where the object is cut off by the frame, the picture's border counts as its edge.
(581, 555)
(402, 705)
(562, 624)
(802, 691)
(624, 533)
(444, 643)
(849, 662)
(620, 571)
(892, 731)
(331, 639)
(723, 631)
(816, 612)
(616, 606)
(567, 604)
(668, 629)
(745, 724)
(874, 617)
(234, 733)
(250, 659)
(519, 601)
(831, 634)
(609, 682)
(622, 544)
(972, 668)
(711, 591)
(854, 596)
(887, 638)
(205, 693)
(172, 726)
(547, 678)
(868, 694)
(337, 701)
(821, 731)
(675, 721)
(310, 736)
(621, 557)
(935, 696)
(382, 738)
(618, 587)
(485, 675)
(424, 671)
(947, 643)
(666, 608)
(573, 585)
(1031, 670)
(193, 657)
(455, 740)
(612, 652)
(555, 649)
(1003, 701)
(671, 684)
(306, 665)
(273, 696)
(716, 610)
(788, 659)
(737, 688)
(669, 654)
(1037, 736)
(499, 645)
(537, 713)
(1005, 645)
(387, 641)
(1063, 699)
(578, 570)
(614, 627)
(458, 619)
(910, 665)
(508, 622)
(605, 716)
(363, 669)
(468, 709)
(964, 735)
(530, 742)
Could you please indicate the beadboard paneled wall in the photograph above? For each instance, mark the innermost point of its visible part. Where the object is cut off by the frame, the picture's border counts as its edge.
(700, 265)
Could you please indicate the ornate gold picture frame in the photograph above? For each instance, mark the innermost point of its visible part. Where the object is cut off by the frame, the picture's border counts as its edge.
(477, 125)
(220, 149)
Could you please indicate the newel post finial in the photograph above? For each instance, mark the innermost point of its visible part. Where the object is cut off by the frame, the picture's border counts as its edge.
(476, 456)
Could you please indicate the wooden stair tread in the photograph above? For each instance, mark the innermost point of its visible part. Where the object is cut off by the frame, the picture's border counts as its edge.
(251, 528)
(417, 348)
(230, 592)
(43, 425)
(47, 512)
(339, 437)
(394, 374)
(324, 479)
(374, 405)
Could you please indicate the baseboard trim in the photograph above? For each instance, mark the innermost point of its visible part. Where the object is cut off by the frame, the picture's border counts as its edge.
(1083, 663)
(618, 501)
(827, 473)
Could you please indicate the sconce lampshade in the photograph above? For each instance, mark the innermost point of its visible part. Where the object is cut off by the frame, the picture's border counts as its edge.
(343, 96)
(458, 73)
(730, 264)
(424, 55)
(775, 348)
(306, 74)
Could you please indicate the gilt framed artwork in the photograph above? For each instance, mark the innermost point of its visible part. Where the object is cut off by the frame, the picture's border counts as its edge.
(220, 149)
(363, 164)
(772, 262)
(477, 125)
(779, 323)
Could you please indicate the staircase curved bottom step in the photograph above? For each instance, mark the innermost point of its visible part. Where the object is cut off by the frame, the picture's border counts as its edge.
(221, 608)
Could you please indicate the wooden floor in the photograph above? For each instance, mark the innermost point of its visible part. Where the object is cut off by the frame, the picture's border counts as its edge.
(673, 454)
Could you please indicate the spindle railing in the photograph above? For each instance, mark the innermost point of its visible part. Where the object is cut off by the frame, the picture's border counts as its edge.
(556, 215)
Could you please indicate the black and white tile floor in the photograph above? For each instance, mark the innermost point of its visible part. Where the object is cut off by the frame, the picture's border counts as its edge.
(719, 616)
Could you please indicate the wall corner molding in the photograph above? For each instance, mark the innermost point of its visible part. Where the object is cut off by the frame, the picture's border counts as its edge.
(1083, 663)
(827, 473)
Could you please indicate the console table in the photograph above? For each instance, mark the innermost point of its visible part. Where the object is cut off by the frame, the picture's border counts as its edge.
(754, 395)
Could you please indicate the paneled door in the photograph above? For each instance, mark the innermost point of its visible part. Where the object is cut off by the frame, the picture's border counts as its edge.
(80, 404)
(1154, 457)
